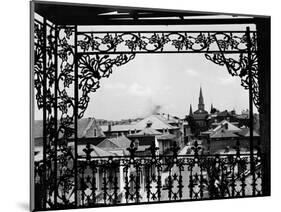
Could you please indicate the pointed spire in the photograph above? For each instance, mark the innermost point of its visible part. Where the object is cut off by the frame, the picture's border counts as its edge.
(201, 105)
(201, 95)
(190, 110)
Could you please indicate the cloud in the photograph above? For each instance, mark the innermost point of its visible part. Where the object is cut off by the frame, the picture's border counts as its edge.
(191, 72)
(139, 90)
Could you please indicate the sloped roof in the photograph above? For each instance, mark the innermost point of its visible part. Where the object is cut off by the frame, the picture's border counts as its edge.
(86, 128)
(246, 132)
(158, 122)
(117, 128)
(108, 144)
(230, 126)
(121, 141)
(223, 133)
(225, 129)
(97, 152)
(118, 142)
(148, 131)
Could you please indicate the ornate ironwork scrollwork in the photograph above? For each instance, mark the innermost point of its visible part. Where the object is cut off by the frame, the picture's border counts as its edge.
(149, 178)
(149, 42)
(91, 69)
(239, 68)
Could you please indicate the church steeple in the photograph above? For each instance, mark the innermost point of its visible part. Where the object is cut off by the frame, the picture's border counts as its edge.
(201, 105)
(190, 110)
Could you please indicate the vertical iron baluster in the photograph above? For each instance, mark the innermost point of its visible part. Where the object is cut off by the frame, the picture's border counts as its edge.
(94, 186)
(170, 184)
(56, 116)
(82, 185)
(127, 186)
(75, 114)
(250, 76)
(201, 186)
(104, 171)
(115, 200)
(44, 117)
(232, 167)
(137, 182)
(243, 184)
(191, 185)
(159, 183)
(147, 172)
(180, 184)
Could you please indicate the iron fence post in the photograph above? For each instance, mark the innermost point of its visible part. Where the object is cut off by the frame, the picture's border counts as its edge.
(44, 117)
(251, 117)
(75, 116)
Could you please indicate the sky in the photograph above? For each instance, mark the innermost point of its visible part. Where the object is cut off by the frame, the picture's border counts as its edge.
(171, 81)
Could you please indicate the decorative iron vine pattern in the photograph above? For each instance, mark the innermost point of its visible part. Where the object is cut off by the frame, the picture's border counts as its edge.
(166, 178)
(153, 42)
(132, 179)
(38, 62)
(44, 80)
(212, 43)
(239, 67)
(65, 106)
(56, 175)
(92, 68)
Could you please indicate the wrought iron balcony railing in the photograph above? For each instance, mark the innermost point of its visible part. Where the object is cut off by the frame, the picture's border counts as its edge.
(133, 179)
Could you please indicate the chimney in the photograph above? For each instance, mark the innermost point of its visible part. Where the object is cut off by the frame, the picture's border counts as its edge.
(226, 126)
(148, 124)
(109, 127)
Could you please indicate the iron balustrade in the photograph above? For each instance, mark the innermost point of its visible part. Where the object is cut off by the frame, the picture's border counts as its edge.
(68, 66)
(131, 179)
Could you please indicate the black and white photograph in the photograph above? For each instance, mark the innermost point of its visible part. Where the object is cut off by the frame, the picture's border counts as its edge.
(134, 105)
